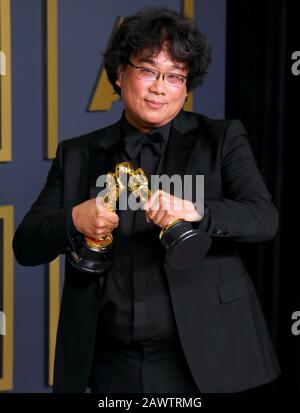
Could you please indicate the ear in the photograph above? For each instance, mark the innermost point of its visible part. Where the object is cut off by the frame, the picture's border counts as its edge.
(119, 78)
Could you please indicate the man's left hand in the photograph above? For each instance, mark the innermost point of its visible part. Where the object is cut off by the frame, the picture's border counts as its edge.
(162, 208)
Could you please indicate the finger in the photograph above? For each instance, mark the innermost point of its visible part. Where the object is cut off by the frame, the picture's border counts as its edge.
(112, 217)
(147, 217)
(107, 229)
(104, 217)
(101, 234)
(151, 213)
(157, 205)
(167, 203)
(153, 200)
(160, 218)
(155, 209)
(104, 230)
(156, 215)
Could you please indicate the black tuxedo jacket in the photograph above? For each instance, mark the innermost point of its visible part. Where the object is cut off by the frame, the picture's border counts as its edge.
(220, 323)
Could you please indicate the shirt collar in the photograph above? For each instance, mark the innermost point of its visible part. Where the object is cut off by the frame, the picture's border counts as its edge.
(130, 131)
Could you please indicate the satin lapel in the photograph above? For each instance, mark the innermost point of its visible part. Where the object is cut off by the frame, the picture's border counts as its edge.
(181, 147)
(103, 157)
(176, 160)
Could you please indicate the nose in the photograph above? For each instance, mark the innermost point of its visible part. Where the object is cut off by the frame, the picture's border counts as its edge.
(157, 85)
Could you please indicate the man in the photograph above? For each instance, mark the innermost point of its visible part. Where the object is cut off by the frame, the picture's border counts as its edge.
(149, 328)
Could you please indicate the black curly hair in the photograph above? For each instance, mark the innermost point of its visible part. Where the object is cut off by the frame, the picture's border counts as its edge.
(150, 30)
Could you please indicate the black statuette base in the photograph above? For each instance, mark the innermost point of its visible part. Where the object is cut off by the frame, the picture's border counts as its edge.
(90, 261)
(185, 245)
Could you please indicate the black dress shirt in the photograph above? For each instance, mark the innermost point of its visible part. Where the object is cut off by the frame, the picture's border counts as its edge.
(136, 303)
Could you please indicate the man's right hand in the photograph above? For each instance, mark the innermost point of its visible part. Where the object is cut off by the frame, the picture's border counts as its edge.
(93, 219)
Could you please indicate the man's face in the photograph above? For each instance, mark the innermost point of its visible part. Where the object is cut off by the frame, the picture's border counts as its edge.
(151, 103)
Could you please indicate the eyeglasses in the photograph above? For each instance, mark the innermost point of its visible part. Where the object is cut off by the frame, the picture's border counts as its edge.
(147, 73)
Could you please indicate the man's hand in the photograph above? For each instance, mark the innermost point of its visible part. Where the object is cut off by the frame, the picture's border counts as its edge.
(94, 219)
(162, 208)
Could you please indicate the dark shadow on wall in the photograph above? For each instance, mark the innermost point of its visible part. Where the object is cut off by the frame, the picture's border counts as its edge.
(262, 92)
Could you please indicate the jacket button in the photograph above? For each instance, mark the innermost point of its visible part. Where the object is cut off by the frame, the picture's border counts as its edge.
(219, 232)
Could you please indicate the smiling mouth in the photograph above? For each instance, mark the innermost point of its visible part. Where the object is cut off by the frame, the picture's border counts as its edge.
(154, 103)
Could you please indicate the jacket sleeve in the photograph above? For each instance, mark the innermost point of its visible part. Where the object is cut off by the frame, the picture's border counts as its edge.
(43, 234)
(244, 213)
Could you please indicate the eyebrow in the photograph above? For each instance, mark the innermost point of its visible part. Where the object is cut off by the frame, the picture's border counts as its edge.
(143, 59)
